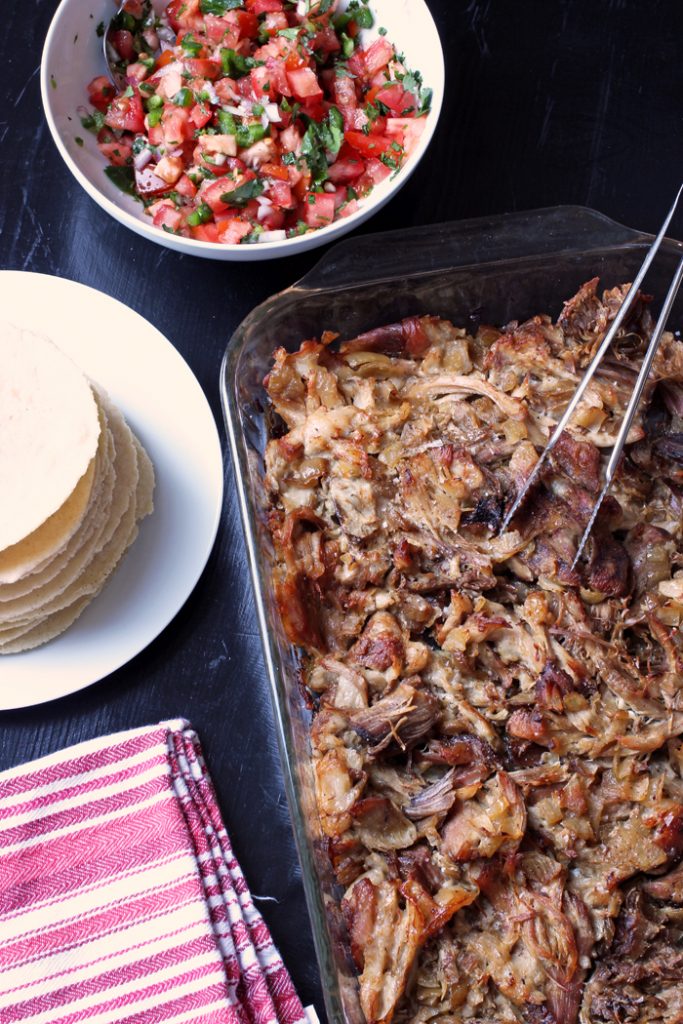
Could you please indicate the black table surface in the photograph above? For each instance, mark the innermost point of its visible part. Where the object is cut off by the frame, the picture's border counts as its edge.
(547, 102)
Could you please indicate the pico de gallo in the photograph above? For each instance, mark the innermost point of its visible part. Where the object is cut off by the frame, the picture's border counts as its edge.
(239, 121)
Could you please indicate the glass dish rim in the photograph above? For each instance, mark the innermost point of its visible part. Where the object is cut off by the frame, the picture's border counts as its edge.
(616, 237)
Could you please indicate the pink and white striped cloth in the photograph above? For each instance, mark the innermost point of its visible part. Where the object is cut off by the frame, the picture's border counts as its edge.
(121, 901)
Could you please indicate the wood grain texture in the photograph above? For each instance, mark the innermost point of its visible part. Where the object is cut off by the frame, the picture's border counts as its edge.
(574, 101)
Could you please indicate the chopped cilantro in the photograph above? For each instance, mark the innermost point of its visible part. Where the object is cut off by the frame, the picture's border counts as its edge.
(190, 45)
(123, 178)
(321, 138)
(425, 102)
(93, 122)
(289, 33)
(53, 81)
(218, 6)
(78, 140)
(300, 229)
(100, 29)
(241, 195)
(382, 31)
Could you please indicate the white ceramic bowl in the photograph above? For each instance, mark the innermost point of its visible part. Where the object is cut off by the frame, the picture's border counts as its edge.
(72, 56)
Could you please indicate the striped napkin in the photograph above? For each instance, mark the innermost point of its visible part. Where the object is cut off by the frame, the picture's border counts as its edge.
(120, 896)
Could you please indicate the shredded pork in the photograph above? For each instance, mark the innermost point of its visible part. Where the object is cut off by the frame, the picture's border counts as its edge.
(497, 736)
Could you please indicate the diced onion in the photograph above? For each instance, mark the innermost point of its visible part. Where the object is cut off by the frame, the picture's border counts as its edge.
(212, 94)
(272, 236)
(142, 158)
(272, 112)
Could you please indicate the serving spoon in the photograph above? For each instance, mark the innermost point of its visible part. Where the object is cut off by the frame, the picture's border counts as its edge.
(130, 33)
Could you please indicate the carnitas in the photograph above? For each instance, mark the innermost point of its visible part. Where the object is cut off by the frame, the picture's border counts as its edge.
(497, 737)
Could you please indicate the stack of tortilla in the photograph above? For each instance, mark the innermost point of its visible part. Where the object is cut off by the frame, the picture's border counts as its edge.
(74, 484)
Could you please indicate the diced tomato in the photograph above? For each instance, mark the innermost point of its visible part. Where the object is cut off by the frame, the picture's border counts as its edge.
(277, 171)
(273, 220)
(376, 170)
(234, 231)
(397, 99)
(134, 8)
(304, 84)
(355, 118)
(211, 192)
(221, 30)
(123, 42)
(202, 67)
(347, 169)
(205, 233)
(164, 58)
(176, 126)
(117, 153)
(184, 14)
(244, 88)
(318, 209)
(368, 145)
(344, 92)
(356, 64)
(226, 90)
(155, 134)
(406, 131)
(136, 73)
(281, 194)
(263, 6)
(315, 109)
(275, 21)
(326, 41)
(262, 83)
(378, 125)
(377, 56)
(294, 60)
(248, 24)
(277, 73)
(295, 176)
(350, 208)
(101, 92)
(302, 185)
(166, 215)
(126, 114)
(186, 187)
(200, 115)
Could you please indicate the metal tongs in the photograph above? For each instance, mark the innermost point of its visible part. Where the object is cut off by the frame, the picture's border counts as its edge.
(632, 407)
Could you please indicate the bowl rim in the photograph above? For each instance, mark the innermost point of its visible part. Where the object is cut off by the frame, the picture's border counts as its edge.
(239, 253)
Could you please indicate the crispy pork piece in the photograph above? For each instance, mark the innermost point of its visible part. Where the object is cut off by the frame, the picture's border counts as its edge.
(496, 738)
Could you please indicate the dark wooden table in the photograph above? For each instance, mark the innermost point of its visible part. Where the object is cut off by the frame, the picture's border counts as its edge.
(568, 101)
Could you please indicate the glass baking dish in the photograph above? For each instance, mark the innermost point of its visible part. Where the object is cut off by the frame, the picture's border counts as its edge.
(488, 270)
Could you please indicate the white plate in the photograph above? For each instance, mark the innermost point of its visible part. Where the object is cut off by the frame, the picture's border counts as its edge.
(166, 407)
